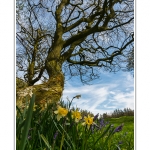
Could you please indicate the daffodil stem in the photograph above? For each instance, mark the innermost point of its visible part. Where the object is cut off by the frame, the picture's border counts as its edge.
(84, 138)
(53, 145)
(62, 141)
(71, 102)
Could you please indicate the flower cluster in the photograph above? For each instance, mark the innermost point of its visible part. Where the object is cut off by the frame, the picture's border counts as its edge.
(119, 128)
(76, 115)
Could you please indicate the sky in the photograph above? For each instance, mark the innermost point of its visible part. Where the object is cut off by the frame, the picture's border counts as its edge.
(110, 92)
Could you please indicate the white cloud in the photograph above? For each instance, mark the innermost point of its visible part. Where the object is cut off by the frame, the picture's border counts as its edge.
(102, 98)
(126, 98)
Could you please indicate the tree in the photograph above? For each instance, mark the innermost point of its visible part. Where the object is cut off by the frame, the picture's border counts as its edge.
(32, 45)
(130, 61)
(71, 37)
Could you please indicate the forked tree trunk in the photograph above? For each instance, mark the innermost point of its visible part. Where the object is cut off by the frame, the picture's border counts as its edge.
(48, 92)
(51, 91)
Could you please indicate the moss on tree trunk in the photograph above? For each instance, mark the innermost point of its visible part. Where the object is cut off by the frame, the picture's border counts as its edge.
(48, 92)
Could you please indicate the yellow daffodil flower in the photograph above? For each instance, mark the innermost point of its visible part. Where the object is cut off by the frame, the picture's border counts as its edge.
(76, 115)
(61, 112)
(88, 121)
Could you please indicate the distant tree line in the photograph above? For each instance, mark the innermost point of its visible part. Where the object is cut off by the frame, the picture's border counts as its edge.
(119, 113)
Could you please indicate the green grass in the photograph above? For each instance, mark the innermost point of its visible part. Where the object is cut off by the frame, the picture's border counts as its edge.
(126, 136)
(37, 131)
(127, 120)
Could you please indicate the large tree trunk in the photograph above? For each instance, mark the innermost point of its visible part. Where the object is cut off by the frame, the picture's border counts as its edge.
(52, 90)
(48, 92)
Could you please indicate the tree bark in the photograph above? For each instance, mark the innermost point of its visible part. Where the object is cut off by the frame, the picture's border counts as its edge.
(50, 91)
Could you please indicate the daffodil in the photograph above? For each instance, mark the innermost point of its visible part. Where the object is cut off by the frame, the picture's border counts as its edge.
(88, 121)
(61, 112)
(76, 115)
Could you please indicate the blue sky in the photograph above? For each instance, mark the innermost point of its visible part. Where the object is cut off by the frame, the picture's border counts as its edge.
(110, 92)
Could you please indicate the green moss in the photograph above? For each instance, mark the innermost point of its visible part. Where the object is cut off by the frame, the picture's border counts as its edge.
(43, 94)
(20, 83)
(51, 95)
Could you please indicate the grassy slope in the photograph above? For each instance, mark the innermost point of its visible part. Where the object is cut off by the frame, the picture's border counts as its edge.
(127, 120)
(126, 136)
